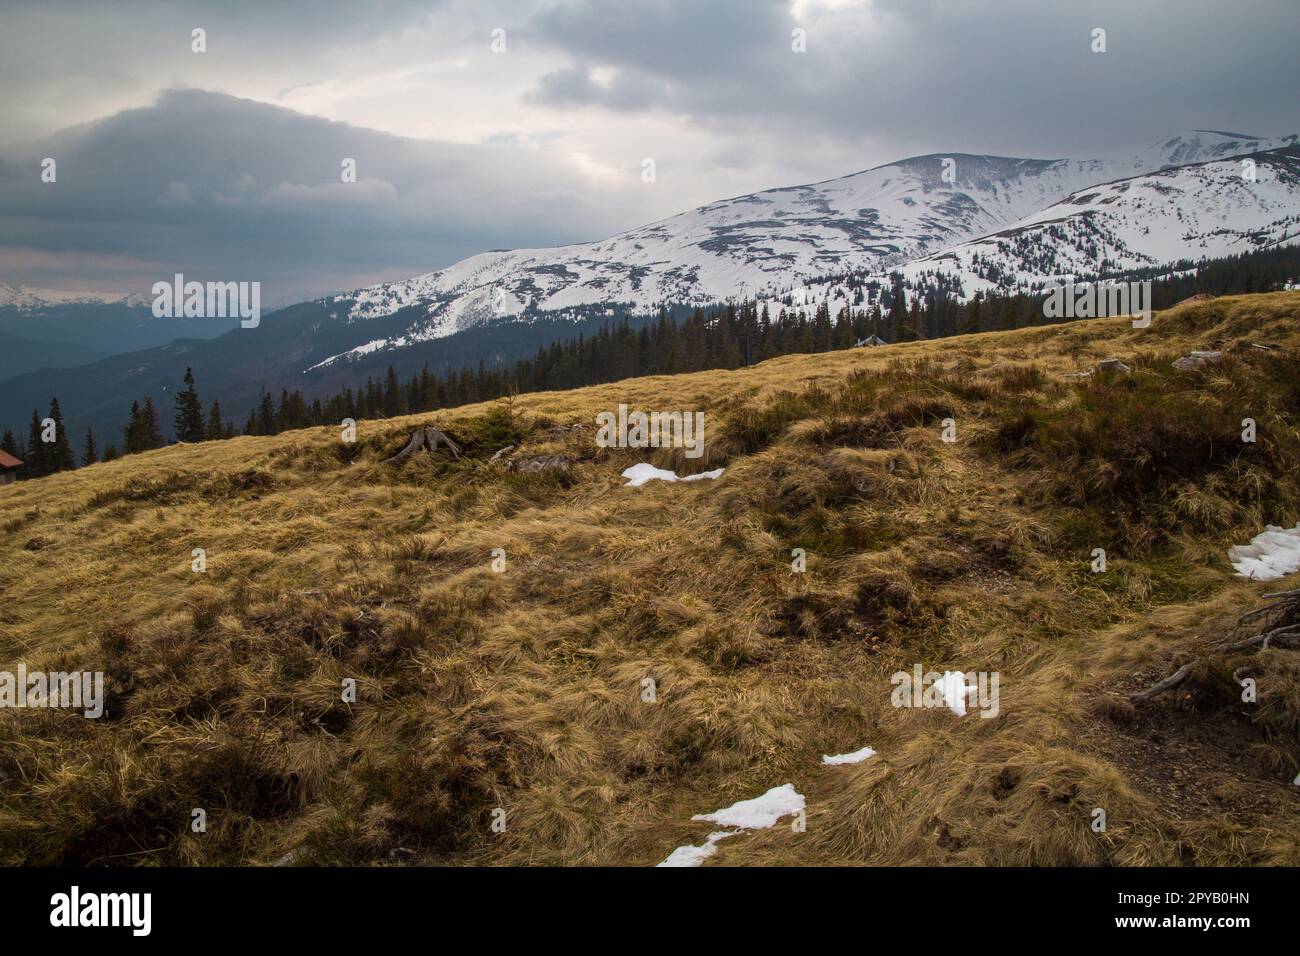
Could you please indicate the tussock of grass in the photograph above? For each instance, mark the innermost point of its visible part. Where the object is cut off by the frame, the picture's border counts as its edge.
(523, 690)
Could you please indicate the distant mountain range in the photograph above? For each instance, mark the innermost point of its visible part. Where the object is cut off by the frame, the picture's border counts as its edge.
(981, 222)
(44, 329)
(1205, 210)
(770, 243)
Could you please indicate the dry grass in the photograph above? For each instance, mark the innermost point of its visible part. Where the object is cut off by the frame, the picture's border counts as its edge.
(522, 690)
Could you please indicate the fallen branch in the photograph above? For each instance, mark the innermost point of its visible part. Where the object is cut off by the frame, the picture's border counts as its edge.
(1280, 627)
(1169, 683)
(1262, 639)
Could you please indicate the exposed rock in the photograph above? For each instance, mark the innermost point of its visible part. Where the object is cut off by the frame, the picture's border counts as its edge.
(1112, 365)
(1078, 375)
(294, 857)
(1198, 360)
(540, 464)
(502, 453)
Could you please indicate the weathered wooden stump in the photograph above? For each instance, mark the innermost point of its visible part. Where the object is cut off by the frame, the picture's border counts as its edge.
(424, 439)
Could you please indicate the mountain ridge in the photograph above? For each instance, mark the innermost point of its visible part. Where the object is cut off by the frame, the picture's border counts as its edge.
(767, 242)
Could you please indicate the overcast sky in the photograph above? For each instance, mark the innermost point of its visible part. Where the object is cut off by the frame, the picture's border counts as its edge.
(226, 164)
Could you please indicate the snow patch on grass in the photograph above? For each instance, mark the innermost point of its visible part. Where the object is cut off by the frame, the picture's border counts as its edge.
(689, 855)
(856, 757)
(953, 687)
(1272, 554)
(760, 813)
(639, 475)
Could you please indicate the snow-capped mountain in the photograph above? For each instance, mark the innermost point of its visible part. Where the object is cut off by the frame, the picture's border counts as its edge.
(1205, 210)
(27, 298)
(1204, 145)
(768, 243)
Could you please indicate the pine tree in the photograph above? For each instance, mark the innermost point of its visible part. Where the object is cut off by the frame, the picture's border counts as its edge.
(392, 401)
(131, 432)
(37, 462)
(897, 315)
(110, 453)
(822, 328)
(914, 330)
(188, 422)
(264, 423)
(89, 456)
(215, 428)
(150, 433)
(61, 457)
(10, 444)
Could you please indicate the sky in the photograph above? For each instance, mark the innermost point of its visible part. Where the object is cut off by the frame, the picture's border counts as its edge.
(481, 124)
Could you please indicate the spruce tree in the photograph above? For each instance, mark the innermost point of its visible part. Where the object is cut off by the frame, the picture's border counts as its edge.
(37, 462)
(60, 451)
(265, 421)
(897, 315)
(131, 432)
(188, 422)
(110, 453)
(822, 328)
(392, 399)
(150, 433)
(89, 455)
(215, 428)
(914, 323)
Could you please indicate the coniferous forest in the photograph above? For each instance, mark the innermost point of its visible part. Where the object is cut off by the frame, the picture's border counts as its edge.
(722, 337)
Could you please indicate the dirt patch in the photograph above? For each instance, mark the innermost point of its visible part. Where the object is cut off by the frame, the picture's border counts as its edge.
(1194, 763)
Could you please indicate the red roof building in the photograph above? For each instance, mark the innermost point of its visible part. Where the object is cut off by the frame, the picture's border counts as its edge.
(9, 466)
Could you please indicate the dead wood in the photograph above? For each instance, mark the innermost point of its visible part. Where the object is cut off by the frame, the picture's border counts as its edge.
(1169, 683)
(1274, 622)
(424, 439)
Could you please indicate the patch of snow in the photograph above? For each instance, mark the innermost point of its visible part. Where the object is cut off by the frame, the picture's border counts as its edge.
(856, 757)
(639, 475)
(760, 812)
(689, 855)
(1272, 554)
(953, 687)
(711, 475)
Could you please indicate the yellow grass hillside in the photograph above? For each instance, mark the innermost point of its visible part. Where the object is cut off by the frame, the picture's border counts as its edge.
(524, 690)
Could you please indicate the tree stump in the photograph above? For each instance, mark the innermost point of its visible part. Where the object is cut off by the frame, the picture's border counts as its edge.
(424, 439)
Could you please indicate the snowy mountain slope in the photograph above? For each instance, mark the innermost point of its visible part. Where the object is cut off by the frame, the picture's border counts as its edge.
(761, 244)
(1206, 210)
(1206, 145)
(27, 298)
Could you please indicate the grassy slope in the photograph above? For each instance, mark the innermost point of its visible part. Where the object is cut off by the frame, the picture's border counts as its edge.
(521, 690)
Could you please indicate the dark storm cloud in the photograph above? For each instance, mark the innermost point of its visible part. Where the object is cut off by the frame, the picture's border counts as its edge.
(241, 190)
(1001, 75)
(544, 144)
(56, 51)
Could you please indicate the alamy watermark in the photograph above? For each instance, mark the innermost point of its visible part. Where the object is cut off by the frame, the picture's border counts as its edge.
(626, 429)
(1097, 300)
(213, 300)
(130, 910)
(954, 690)
(76, 689)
